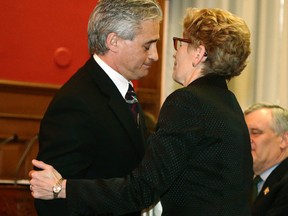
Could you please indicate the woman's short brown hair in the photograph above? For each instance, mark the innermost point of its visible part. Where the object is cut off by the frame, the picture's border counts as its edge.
(225, 36)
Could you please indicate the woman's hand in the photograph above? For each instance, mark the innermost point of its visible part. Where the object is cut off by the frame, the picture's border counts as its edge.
(42, 181)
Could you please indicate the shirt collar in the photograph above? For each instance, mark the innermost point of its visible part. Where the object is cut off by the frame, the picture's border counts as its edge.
(265, 174)
(121, 82)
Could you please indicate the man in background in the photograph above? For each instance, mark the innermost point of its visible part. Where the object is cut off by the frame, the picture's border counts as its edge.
(268, 127)
(88, 130)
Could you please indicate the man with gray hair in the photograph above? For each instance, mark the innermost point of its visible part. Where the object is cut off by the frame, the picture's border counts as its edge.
(88, 130)
(268, 128)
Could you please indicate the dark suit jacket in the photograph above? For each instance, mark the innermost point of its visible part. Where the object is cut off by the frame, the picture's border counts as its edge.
(273, 198)
(88, 132)
(199, 160)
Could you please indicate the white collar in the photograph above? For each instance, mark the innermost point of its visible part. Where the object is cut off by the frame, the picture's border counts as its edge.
(121, 82)
(266, 174)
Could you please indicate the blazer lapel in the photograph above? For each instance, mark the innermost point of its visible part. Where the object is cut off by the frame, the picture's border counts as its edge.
(274, 178)
(117, 104)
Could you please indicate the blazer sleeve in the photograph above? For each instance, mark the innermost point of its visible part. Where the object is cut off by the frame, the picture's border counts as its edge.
(165, 159)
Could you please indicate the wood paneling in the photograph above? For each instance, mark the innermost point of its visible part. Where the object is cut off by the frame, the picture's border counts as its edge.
(21, 109)
(16, 200)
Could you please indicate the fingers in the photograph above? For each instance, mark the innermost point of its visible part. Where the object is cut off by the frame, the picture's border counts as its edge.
(43, 180)
(47, 172)
(50, 171)
(40, 164)
(40, 193)
(41, 186)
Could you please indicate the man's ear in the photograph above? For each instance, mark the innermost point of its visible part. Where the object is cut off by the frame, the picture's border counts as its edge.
(284, 143)
(285, 136)
(111, 41)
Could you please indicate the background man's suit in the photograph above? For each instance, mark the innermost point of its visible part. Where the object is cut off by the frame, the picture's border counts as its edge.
(88, 132)
(273, 197)
(199, 160)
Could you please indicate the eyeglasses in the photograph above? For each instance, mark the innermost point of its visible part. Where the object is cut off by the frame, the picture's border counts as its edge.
(178, 42)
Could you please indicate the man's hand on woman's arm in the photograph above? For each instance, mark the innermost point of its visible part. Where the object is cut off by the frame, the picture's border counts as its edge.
(42, 182)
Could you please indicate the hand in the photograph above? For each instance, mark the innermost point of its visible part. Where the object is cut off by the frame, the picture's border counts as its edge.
(42, 181)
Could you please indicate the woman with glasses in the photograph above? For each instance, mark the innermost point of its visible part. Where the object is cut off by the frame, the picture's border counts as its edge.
(199, 160)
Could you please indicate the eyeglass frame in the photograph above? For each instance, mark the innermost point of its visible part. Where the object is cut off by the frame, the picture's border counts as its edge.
(176, 39)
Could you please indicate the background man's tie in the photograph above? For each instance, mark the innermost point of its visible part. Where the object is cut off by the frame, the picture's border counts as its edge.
(133, 103)
(255, 183)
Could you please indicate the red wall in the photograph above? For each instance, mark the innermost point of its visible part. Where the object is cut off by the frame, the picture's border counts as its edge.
(35, 33)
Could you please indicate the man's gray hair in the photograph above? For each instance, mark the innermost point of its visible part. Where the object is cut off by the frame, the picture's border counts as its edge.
(122, 17)
(279, 116)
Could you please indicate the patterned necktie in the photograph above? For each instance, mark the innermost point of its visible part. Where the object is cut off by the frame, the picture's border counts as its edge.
(255, 183)
(133, 103)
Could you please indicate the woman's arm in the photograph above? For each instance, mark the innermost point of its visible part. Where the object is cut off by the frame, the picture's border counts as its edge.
(170, 149)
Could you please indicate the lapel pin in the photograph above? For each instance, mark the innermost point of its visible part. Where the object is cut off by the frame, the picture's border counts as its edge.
(266, 191)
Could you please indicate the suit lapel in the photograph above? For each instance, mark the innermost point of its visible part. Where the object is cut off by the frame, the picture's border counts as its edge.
(117, 104)
(274, 178)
